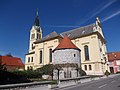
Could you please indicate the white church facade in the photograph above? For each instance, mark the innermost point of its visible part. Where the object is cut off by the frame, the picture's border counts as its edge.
(89, 39)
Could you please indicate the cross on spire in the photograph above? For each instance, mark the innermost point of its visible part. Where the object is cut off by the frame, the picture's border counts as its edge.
(37, 12)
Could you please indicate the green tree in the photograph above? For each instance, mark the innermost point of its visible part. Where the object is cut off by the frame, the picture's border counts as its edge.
(2, 66)
(46, 69)
(107, 73)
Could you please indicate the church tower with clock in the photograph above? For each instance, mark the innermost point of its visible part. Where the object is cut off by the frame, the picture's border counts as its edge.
(35, 33)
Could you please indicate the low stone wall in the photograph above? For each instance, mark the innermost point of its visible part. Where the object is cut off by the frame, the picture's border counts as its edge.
(62, 83)
(23, 85)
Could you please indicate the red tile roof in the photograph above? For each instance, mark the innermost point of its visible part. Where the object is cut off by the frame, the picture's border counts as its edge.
(66, 43)
(113, 56)
(11, 61)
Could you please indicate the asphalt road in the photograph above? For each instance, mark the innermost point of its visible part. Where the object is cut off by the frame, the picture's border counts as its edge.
(110, 83)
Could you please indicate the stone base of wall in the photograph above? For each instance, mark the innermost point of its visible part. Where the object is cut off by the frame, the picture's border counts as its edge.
(69, 72)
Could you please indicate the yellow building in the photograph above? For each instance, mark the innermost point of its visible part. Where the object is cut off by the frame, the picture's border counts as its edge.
(89, 39)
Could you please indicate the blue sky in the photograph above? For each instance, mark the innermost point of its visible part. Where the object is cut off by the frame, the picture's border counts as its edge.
(17, 18)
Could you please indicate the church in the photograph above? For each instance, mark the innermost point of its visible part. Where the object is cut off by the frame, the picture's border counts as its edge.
(89, 39)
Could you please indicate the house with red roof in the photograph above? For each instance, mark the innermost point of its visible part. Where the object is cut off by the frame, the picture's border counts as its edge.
(114, 61)
(11, 63)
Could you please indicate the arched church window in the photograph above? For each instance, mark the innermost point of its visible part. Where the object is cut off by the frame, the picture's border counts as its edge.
(74, 55)
(50, 54)
(32, 36)
(28, 59)
(85, 67)
(90, 67)
(31, 59)
(38, 36)
(33, 47)
(41, 56)
(28, 68)
(86, 50)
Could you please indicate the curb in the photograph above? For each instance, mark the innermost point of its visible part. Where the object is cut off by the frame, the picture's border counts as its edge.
(76, 83)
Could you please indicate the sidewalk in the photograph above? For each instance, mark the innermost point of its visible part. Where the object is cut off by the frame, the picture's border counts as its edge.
(38, 88)
(61, 85)
(68, 83)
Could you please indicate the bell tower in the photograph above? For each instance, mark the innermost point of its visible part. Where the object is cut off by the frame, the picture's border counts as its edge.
(35, 33)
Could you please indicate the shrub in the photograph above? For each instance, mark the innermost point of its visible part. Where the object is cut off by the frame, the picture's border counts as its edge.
(28, 74)
(11, 78)
(47, 69)
(117, 72)
(54, 82)
(107, 73)
(34, 74)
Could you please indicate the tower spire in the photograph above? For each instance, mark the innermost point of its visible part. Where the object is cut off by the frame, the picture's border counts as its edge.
(36, 22)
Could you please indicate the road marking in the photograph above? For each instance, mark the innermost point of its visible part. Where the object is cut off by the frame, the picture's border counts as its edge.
(113, 81)
(102, 86)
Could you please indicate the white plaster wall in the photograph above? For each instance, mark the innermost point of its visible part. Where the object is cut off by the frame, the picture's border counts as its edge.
(29, 63)
(73, 73)
(118, 62)
(52, 44)
(66, 56)
(92, 43)
(61, 74)
(55, 74)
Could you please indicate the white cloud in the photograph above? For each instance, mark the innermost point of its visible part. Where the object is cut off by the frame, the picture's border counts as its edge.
(97, 11)
(111, 16)
(103, 7)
